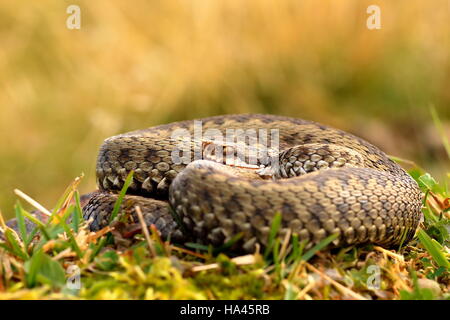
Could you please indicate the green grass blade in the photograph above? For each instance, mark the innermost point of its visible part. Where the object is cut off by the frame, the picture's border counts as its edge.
(21, 222)
(434, 249)
(38, 223)
(122, 194)
(276, 256)
(97, 248)
(227, 245)
(31, 236)
(78, 213)
(15, 246)
(430, 183)
(43, 269)
(322, 244)
(440, 128)
(274, 228)
(62, 222)
(197, 246)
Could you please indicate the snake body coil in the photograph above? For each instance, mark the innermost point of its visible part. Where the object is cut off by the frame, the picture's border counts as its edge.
(327, 181)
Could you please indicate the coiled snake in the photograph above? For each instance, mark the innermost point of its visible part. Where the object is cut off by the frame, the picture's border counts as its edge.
(327, 181)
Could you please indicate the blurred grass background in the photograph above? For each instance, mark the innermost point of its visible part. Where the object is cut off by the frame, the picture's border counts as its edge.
(140, 63)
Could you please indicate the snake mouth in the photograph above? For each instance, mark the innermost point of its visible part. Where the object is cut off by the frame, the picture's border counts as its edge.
(239, 154)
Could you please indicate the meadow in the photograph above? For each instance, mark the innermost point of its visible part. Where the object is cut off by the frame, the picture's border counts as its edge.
(135, 65)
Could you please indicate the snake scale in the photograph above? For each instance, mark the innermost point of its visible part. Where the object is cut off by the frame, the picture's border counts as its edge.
(327, 181)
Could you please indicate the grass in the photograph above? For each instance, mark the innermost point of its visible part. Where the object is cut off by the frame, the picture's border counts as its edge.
(62, 259)
(41, 265)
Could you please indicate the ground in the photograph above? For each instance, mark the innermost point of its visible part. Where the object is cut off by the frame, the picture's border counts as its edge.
(67, 261)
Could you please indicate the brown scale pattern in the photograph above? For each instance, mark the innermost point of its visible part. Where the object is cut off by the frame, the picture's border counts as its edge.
(330, 182)
(156, 212)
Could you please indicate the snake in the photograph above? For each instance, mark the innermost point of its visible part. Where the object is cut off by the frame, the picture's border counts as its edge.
(319, 181)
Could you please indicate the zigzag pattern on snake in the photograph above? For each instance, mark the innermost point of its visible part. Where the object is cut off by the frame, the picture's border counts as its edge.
(328, 181)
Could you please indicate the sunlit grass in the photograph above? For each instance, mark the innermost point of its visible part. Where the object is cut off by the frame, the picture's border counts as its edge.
(35, 264)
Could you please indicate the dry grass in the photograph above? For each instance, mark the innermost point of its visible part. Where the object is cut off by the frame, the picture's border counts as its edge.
(39, 267)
